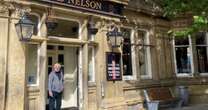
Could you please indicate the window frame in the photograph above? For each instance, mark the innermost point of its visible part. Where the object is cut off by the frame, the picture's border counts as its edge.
(133, 68)
(136, 71)
(38, 66)
(191, 56)
(79, 36)
(147, 45)
(200, 45)
(93, 64)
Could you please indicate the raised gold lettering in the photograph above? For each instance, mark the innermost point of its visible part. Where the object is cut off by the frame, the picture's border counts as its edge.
(82, 3)
(77, 2)
(87, 3)
(99, 6)
(92, 4)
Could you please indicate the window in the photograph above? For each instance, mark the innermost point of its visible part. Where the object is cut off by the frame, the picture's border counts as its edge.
(91, 58)
(183, 55)
(91, 64)
(32, 64)
(189, 48)
(136, 51)
(143, 54)
(65, 28)
(201, 52)
(126, 56)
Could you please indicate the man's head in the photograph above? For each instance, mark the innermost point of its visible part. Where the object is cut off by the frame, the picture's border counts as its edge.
(56, 67)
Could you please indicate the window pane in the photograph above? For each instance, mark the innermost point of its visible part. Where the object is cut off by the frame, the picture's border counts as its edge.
(143, 60)
(31, 63)
(182, 41)
(183, 59)
(65, 28)
(201, 38)
(141, 37)
(49, 70)
(127, 64)
(50, 61)
(50, 47)
(143, 53)
(202, 59)
(61, 59)
(70, 70)
(90, 65)
(60, 47)
(62, 69)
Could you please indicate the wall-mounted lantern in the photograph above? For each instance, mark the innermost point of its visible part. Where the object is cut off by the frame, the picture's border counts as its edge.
(115, 37)
(25, 28)
(91, 27)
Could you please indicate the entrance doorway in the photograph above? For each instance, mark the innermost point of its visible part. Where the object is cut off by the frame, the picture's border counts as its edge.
(68, 58)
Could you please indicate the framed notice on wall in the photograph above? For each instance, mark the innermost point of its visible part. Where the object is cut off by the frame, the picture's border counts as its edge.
(113, 66)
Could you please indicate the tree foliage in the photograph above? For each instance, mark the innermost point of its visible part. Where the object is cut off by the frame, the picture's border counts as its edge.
(197, 8)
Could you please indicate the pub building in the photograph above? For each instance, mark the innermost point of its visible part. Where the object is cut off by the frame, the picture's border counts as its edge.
(109, 51)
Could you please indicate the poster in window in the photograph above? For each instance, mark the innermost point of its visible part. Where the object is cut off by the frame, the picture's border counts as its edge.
(113, 66)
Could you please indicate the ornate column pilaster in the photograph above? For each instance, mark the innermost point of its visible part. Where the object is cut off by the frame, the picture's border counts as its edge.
(12, 58)
(4, 12)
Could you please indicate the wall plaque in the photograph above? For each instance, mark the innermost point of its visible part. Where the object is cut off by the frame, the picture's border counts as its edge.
(113, 66)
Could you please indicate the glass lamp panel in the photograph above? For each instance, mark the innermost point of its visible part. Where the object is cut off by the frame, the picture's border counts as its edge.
(112, 40)
(27, 31)
(119, 40)
(19, 30)
(115, 41)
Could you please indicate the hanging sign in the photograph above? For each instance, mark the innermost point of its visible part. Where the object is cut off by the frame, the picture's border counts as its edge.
(113, 66)
(96, 6)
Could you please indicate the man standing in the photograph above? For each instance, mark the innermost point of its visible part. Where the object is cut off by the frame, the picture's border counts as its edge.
(55, 87)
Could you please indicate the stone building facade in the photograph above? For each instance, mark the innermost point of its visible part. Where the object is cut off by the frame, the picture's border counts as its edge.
(148, 56)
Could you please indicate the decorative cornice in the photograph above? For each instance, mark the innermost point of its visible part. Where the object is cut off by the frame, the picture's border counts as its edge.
(13, 8)
(149, 7)
(4, 7)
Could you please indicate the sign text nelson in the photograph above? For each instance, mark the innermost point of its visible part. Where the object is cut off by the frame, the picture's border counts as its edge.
(98, 6)
(92, 4)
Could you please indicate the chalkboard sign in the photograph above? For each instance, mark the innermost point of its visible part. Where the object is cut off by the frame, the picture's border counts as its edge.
(113, 66)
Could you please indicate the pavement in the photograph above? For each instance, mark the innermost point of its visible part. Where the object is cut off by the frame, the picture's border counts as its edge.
(192, 107)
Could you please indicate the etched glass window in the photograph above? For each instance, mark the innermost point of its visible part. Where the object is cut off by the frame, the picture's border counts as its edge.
(32, 64)
(64, 28)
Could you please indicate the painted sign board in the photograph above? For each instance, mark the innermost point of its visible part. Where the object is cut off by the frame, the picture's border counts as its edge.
(113, 66)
